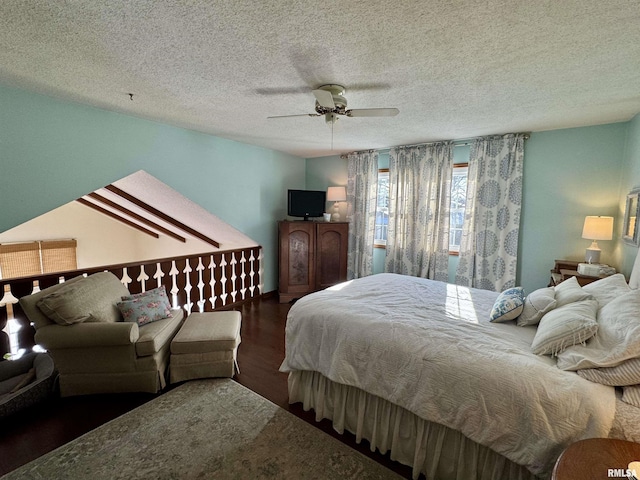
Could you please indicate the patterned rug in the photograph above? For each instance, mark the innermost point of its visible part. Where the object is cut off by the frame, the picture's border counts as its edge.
(205, 429)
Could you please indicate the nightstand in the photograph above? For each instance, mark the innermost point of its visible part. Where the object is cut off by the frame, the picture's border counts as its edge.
(564, 269)
(596, 458)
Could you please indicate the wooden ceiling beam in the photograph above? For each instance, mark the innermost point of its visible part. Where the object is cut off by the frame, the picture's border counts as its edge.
(140, 218)
(111, 214)
(161, 215)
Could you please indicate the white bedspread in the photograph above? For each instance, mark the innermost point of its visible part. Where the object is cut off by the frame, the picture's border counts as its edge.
(428, 347)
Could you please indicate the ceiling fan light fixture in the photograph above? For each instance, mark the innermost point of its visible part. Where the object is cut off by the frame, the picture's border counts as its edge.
(331, 103)
(331, 118)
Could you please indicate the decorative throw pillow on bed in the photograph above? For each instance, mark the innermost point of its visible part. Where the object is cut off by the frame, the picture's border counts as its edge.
(618, 337)
(508, 305)
(568, 325)
(570, 291)
(536, 304)
(627, 373)
(147, 307)
(608, 288)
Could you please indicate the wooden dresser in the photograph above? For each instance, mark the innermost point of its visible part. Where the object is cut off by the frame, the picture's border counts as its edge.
(312, 256)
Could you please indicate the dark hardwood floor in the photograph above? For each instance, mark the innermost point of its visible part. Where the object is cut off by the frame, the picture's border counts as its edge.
(41, 429)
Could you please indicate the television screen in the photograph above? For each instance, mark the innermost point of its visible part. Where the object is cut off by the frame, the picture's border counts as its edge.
(306, 203)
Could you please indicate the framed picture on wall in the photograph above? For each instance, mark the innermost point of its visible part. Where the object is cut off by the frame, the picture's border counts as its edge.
(630, 232)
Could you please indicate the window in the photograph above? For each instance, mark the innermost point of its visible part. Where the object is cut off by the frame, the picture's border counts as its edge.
(33, 258)
(458, 201)
(382, 209)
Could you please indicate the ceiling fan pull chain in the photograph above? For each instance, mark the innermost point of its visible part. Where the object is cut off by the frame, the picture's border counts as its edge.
(332, 124)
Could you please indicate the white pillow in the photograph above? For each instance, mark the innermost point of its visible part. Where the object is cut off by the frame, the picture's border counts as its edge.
(565, 326)
(608, 288)
(570, 291)
(536, 304)
(618, 337)
(508, 305)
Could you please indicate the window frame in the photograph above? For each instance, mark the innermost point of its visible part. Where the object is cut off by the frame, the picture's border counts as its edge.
(455, 252)
(377, 243)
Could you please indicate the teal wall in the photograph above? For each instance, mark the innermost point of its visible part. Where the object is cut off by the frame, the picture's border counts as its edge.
(52, 152)
(568, 174)
(630, 179)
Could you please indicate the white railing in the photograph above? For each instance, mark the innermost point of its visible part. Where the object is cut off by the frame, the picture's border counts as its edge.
(197, 283)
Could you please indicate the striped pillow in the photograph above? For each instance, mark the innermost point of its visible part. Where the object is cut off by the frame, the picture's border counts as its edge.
(627, 373)
(565, 326)
(631, 395)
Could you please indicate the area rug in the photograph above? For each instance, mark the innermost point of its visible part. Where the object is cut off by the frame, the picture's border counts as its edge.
(205, 429)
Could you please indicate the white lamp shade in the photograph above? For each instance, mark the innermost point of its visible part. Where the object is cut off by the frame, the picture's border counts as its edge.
(336, 194)
(598, 228)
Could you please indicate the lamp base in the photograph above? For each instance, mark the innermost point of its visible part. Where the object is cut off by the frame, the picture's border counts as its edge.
(592, 255)
(335, 215)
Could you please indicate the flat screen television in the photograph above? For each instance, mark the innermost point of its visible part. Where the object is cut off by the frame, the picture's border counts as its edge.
(306, 203)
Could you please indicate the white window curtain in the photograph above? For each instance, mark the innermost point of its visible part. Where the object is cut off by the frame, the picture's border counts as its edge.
(419, 203)
(362, 190)
(489, 244)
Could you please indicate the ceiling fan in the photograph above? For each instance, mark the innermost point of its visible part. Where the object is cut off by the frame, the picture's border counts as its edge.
(331, 103)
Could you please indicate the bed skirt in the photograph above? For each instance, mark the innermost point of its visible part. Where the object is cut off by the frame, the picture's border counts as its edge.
(438, 452)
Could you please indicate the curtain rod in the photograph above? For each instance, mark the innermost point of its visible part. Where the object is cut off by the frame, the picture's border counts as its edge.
(456, 143)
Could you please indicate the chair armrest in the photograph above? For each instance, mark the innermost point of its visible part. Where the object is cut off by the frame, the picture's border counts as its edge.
(92, 334)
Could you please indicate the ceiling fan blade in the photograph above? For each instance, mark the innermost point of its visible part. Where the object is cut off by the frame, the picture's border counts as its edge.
(372, 112)
(324, 98)
(302, 115)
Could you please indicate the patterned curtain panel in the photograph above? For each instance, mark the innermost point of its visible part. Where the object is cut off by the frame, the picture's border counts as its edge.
(419, 203)
(489, 244)
(362, 190)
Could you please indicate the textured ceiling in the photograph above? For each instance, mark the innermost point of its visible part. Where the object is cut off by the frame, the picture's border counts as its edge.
(454, 69)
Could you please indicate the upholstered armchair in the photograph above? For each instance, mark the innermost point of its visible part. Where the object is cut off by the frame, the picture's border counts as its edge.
(80, 324)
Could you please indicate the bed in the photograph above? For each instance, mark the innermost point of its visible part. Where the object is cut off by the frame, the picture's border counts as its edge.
(416, 368)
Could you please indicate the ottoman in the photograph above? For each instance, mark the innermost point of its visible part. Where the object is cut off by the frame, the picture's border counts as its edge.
(206, 346)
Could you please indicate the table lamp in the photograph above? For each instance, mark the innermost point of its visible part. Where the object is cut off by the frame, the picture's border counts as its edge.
(596, 228)
(336, 194)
